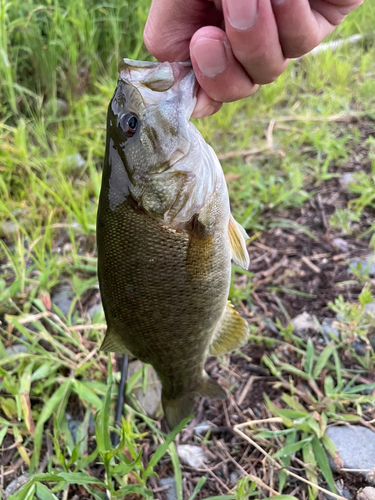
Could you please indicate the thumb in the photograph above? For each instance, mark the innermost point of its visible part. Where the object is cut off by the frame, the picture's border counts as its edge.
(172, 23)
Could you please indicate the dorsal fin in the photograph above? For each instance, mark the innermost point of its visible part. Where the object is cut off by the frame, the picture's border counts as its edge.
(237, 238)
(231, 332)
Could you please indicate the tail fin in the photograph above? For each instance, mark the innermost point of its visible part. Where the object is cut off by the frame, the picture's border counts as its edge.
(177, 409)
(113, 343)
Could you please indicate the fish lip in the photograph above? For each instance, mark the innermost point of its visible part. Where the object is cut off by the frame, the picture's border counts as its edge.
(181, 71)
(131, 63)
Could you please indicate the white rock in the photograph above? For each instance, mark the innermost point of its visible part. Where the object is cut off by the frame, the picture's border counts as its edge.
(202, 428)
(192, 455)
(340, 244)
(346, 179)
(367, 493)
(171, 492)
(15, 485)
(76, 160)
(304, 322)
(151, 400)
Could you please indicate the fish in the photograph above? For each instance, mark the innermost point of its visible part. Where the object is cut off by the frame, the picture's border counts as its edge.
(166, 236)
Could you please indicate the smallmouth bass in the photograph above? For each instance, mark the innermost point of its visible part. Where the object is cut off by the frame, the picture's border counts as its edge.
(166, 236)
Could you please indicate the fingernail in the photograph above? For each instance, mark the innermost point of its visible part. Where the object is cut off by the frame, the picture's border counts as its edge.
(208, 110)
(242, 13)
(210, 55)
(278, 2)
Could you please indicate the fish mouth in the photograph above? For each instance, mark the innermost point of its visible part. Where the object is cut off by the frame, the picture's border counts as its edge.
(161, 79)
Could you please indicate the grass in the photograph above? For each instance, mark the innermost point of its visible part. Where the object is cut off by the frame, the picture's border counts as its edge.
(57, 74)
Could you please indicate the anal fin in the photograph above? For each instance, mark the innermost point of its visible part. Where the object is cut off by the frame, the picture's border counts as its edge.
(112, 343)
(237, 237)
(231, 332)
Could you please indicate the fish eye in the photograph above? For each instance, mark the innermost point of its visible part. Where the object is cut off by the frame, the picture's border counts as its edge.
(128, 124)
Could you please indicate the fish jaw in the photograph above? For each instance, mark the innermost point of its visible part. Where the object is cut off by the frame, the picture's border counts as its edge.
(160, 82)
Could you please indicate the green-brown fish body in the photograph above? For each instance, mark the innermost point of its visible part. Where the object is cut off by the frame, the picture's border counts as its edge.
(165, 236)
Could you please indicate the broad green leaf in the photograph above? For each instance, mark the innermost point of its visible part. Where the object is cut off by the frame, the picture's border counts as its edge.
(79, 478)
(25, 493)
(133, 488)
(328, 385)
(322, 360)
(358, 388)
(291, 448)
(314, 426)
(293, 369)
(309, 357)
(87, 394)
(291, 413)
(44, 493)
(328, 445)
(322, 461)
(289, 400)
(96, 494)
(45, 370)
(270, 365)
(348, 417)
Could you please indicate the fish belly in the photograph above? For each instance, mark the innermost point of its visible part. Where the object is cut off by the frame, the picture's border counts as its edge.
(163, 291)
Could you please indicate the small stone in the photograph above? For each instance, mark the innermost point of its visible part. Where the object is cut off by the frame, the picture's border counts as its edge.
(367, 493)
(370, 478)
(73, 425)
(15, 485)
(329, 328)
(355, 446)
(171, 492)
(61, 106)
(360, 347)
(76, 160)
(202, 428)
(63, 298)
(150, 401)
(233, 477)
(370, 308)
(340, 244)
(346, 179)
(191, 455)
(304, 323)
(9, 228)
(17, 349)
(96, 309)
(364, 266)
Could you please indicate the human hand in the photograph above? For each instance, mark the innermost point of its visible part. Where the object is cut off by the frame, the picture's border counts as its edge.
(235, 45)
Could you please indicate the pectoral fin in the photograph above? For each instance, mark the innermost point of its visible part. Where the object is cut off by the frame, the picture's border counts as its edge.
(231, 333)
(237, 238)
(113, 343)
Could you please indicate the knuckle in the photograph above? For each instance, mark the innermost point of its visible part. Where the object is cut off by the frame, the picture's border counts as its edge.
(300, 46)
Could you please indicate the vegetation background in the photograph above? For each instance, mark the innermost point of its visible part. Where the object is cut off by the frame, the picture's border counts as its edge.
(283, 150)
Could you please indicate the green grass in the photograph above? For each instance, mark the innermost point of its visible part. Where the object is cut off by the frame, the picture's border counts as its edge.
(58, 63)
